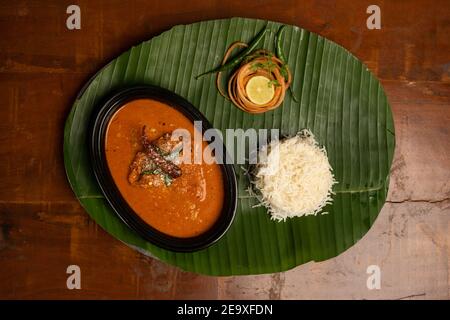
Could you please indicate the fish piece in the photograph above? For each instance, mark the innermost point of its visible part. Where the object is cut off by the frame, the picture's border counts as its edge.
(141, 164)
(151, 151)
(165, 144)
(154, 166)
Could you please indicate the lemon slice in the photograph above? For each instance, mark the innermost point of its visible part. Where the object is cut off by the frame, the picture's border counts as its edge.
(259, 90)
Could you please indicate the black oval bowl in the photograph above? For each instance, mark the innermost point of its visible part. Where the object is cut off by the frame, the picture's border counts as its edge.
(98, 129)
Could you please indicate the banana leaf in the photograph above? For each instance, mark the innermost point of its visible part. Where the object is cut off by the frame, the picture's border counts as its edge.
(339, 100)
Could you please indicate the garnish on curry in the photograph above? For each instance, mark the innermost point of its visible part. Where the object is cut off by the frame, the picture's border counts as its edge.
(155, 164)
(179, 199)
(259, 78)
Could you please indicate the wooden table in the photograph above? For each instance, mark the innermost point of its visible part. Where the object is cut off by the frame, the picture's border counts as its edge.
(43, 229)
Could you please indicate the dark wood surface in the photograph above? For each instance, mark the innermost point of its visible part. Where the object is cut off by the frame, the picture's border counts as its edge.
(43, 229)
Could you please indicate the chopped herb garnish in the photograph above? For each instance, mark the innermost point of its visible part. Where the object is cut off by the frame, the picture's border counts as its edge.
(269, 65)
(167, 180)
(153, 171)
(257, 66)
(274, 83)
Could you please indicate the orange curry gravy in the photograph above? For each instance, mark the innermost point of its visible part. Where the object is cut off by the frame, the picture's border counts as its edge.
(193, 202)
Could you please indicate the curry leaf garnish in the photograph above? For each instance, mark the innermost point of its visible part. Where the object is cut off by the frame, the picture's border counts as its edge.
(153, 171)
(167, 180)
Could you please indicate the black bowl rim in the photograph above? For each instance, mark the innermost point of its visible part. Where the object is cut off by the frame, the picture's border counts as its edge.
(98, 128)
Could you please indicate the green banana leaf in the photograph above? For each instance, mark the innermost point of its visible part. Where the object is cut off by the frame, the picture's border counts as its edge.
(340, 101)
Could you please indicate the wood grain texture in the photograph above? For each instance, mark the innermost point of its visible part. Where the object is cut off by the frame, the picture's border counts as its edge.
(43, 229)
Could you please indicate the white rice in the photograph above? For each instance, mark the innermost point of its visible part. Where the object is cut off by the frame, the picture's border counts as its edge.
(295, 178)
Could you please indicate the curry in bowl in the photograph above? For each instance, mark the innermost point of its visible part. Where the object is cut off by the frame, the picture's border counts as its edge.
(178, 199)
(141, 168)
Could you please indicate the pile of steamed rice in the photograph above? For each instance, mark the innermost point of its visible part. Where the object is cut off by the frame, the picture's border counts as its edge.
(294, 177)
